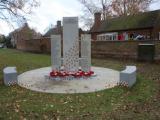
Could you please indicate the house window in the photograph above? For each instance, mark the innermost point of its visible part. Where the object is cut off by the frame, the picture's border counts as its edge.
(107, 36)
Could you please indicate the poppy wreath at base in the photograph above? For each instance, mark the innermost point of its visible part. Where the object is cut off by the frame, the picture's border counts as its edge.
(74, 74)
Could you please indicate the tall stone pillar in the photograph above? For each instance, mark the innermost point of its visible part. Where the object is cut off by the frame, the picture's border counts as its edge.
(86, 52)
(56, 52)
(70, 44)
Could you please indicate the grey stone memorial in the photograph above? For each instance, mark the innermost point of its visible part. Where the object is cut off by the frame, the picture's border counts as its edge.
(71, 63)
(71, 49)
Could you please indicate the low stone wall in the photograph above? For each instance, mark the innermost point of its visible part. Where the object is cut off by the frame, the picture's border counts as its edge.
(41, 45)
(100, 49)
(32, 45)
(120, 49)
(45, 45)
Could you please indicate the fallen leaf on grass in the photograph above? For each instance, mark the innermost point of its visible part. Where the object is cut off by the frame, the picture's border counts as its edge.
(51, 106)
(65, 102)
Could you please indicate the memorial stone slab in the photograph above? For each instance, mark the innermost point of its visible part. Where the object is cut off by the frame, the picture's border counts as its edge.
(86, 52)
(70, 44)
(56, 52)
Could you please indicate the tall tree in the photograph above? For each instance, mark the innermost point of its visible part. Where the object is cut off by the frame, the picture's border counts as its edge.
(92, 6)
(15, 10)
(129, 7)
(110, 8)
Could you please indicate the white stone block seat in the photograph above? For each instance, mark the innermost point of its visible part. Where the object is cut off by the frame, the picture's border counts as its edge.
(128, 76)
(10, 76)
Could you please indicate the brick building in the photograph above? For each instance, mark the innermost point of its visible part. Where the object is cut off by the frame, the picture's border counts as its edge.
(27, 39)
(22, 36)
(146, 25)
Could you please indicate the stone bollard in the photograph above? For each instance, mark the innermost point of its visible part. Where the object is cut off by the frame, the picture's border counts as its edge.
(128, 76)
(10, 76)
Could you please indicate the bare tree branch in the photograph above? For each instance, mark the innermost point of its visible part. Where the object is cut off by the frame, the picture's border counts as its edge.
(111, 8)
(93, 6)
(129, 7)
(15, 10)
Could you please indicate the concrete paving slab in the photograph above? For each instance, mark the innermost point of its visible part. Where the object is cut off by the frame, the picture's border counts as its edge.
(35, 80)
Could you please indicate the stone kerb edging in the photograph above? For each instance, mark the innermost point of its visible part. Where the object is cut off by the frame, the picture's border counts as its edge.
(128, 76)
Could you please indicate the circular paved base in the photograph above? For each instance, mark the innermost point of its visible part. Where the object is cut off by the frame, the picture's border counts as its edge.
(35, 80)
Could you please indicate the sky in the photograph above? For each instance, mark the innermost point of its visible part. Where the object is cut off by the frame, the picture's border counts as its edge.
(52, 10)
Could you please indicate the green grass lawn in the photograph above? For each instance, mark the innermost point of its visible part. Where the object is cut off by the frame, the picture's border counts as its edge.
(139, 102)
